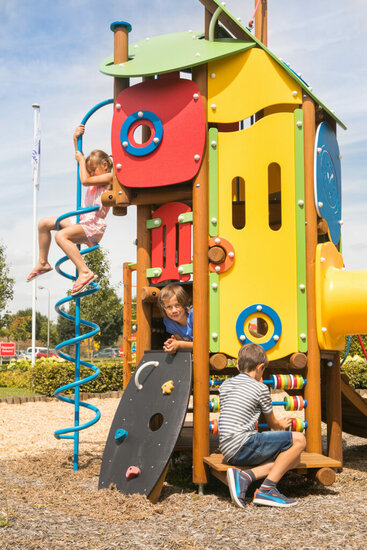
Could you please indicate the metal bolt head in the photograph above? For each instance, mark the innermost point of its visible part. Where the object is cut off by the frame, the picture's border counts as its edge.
(118, 166)
(140, 114)
(196, 96)
(156, 140)
(213, 221)
(125, 144)
(242, 337)
(301, 203)
(212, 75)
(118, 106)
(259, 308)
(197, 157)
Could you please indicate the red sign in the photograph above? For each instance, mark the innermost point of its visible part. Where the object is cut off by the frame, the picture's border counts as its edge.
(7, 349)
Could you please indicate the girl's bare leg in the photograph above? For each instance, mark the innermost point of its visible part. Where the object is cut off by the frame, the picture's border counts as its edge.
(45, 226)
(67, 239)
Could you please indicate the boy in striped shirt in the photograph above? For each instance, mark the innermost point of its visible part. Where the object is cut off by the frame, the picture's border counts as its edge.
(268, 454)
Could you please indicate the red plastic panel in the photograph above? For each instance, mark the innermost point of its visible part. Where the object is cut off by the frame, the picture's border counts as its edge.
(171, 242)
(178, 104)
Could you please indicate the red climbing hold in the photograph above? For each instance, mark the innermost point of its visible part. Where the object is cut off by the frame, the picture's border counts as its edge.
(132, 471)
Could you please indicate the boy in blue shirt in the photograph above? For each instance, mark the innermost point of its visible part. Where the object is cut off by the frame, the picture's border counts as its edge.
(268, 454)
(177, 314)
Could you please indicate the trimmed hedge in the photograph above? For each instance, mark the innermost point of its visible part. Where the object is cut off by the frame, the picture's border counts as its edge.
(356, 369)
(49, 374)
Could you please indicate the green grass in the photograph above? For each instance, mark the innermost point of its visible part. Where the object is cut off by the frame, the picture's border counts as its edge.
(16, 392)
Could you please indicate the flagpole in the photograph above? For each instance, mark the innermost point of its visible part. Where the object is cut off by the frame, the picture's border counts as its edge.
(36, 178)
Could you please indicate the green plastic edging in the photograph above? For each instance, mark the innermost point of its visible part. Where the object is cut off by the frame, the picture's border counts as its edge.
(153, 223)
(185, 269)
(172, 52)
(213, 312)
(153, 272)
(213, 182)
(186, 217)
(300, 230)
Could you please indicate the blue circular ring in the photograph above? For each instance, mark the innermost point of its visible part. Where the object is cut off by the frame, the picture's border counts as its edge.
(270, 312)
(158, 129)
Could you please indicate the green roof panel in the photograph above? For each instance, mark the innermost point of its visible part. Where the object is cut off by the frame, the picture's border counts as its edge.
(172, 52)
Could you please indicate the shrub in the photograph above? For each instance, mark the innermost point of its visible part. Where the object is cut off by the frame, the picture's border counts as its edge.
(15, 378)
(355, 367)
(50, 374)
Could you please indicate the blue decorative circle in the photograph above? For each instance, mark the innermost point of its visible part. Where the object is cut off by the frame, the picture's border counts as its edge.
(152, 145)
(271, 313)
(328, 179)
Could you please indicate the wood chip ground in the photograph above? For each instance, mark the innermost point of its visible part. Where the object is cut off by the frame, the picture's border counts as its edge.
(44, 505)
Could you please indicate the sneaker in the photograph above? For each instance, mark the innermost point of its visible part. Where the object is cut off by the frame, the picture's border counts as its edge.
(237, 486)
(272, 497)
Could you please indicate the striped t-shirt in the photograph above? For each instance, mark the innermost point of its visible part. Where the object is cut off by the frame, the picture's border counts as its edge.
(242, 399)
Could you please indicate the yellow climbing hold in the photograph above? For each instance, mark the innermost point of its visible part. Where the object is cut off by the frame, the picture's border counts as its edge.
(167, 387)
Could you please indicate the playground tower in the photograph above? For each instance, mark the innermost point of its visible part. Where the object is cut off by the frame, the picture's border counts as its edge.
(237, 184)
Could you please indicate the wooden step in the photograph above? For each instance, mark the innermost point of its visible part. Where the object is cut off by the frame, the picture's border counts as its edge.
(308, 460)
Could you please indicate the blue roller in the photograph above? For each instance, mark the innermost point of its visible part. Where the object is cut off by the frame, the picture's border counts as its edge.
(73, 432)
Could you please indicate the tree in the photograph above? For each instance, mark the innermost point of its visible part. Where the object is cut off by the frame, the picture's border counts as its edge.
(102, 307)
(6, 284)
(26, 315)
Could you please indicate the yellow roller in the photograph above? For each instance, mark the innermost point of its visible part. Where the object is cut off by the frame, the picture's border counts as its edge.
(341, 299)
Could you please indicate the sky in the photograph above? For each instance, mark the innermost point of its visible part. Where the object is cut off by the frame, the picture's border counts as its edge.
(50, 53)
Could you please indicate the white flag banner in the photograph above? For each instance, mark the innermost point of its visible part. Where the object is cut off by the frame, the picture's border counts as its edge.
(36, 151)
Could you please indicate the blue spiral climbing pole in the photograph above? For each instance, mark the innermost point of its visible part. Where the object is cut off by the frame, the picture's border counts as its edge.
(73, 431)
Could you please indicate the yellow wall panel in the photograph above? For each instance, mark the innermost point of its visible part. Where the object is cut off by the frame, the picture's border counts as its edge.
(265, 267)
(245, 83)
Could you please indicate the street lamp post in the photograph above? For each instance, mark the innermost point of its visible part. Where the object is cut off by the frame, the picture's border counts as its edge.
(48, 318)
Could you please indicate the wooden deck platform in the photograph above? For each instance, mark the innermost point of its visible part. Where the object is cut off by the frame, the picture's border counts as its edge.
(308, 461)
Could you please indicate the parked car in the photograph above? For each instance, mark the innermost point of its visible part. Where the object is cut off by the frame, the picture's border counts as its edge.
(42, 353)
(37, 350)
(108, 352)
(20, 353)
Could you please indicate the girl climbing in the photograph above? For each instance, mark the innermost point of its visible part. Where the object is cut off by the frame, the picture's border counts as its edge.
(96, 174)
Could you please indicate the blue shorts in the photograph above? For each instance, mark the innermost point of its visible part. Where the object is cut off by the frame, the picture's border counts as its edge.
(262, 447)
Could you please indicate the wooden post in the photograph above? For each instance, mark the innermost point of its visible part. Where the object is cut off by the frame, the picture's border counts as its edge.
(143, 310)
(126, 340)
(334, 410)
(201, 301)
(313, 386)
(121, 31)
(261, 22)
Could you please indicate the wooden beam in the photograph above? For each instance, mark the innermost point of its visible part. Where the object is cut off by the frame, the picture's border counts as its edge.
(261, 22)
(334, 410)
(126, 342)
(201, 302)
(313, 386)
(143, 310)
